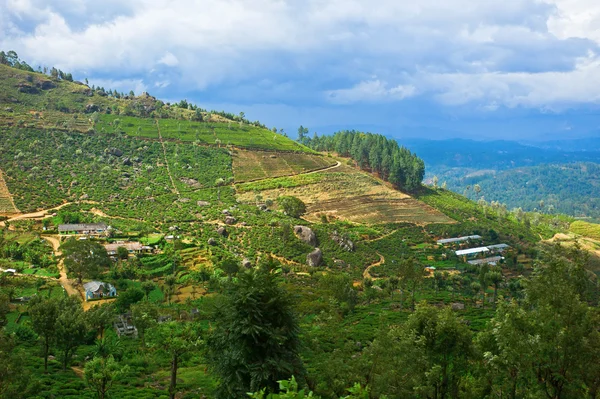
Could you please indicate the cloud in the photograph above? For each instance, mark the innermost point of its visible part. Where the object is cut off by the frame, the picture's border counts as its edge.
(371, 91)
(514, 53)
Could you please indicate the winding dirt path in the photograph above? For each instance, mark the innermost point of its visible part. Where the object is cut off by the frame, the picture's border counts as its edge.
(367, 272)
(166, 160)
(63, 280)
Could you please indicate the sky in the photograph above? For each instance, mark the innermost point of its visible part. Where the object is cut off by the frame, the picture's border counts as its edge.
(483, 69)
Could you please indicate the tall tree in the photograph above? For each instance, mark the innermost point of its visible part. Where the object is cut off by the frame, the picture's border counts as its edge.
(43, 313)
(178, 340)
(101, 372)
(84, 258)
(70, 327)
(255, 340)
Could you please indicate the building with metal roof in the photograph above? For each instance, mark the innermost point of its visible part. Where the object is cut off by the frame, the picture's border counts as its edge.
(458, 239)
(472, 251)
(98, 289)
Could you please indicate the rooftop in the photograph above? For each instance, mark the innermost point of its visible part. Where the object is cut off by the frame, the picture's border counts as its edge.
(82, 227)
(458, 239)
(95, 285)
(472, 251)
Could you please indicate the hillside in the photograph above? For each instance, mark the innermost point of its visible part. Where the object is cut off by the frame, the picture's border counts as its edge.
(572, 189)
(201, 247)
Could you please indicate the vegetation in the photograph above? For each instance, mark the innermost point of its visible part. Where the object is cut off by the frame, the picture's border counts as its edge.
(376, 153)
(224, 300)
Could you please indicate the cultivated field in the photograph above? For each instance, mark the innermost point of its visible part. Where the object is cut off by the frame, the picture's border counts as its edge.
(254, 165)
(6, 205)
(348, 194)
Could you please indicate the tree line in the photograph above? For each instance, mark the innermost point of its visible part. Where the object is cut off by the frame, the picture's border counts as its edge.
(373, 152)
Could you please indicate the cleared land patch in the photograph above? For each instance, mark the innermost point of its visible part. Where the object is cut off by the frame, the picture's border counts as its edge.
(349, 194)
(255, 165)
(7, 207)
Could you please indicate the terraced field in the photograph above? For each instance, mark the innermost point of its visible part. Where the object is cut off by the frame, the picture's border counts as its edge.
(6, 205)
(349, 194)
(255, 165)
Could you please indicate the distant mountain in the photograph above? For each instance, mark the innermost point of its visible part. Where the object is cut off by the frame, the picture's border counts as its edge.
(500, 154)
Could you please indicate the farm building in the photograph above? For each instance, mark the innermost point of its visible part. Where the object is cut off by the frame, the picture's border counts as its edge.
(91, 229)
(124, 326)
(498, 247)
(131, 247)
(471, 251)
(458, 239)
(486, 261)
(98, 289)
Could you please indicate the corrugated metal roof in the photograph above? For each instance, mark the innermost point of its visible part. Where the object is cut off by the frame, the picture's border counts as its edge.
(472, 251)
(458, 239)
(93, 286)
(82, 227)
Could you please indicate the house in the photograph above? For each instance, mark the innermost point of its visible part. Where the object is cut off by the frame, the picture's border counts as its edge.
(471, 251)
(458, 239)
(89, 229)
(131, 247)
(98, 289)
(486, 261)
(498, 247)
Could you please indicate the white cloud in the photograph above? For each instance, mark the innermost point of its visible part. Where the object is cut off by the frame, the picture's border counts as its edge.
(494, 53)
(371, 91)
(169, 59)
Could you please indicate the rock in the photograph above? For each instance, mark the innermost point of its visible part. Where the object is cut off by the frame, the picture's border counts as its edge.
(243, 224)
(339, 263)
(46, 84)
(84, 197)
(306, 234)
(226, 212)
(8, 109)
(173, 228)
(262, 207)
(127, 162)
(458, 306)
(116, 152)
(91, 108)
(222, 231)
(212, 241)
(246, 263)
(314, 258)
(230, 220)
(343, 242)
(203, 203)
(377, 288)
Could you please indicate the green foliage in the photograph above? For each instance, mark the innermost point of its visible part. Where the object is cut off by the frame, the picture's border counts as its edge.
(255, 341)
(288, 390)
(101, 372)
(376, 153)
(70, 328)
(127, 298)
(292, 206)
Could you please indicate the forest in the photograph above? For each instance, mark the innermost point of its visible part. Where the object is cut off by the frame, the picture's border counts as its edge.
(373, 152)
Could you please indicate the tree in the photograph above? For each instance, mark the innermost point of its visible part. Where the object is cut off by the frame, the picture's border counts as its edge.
(148, 287)
(13, 377)
(122, 253)
(70, 327)
(43, 313)
(178, 340)
(495, 277)
(100, 316)
(230, 266)
(101, 372)
(144, 315)
(4, 309)
(255, 340)
(292, 206)
(84, 258)
(128, 298)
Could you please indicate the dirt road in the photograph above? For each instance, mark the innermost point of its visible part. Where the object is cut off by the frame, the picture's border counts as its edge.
(63, 280)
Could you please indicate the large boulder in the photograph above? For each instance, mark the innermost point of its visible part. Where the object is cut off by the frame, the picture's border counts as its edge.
(306, 234)
(343, 242)
(314, 258)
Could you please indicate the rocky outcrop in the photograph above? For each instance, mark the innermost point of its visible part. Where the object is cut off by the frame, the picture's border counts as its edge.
(345, 243)
(314, 258)
(306, 234)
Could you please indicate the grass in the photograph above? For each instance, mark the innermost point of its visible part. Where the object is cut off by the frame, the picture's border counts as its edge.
(591, 230)
(346, 193)
(254, 165)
